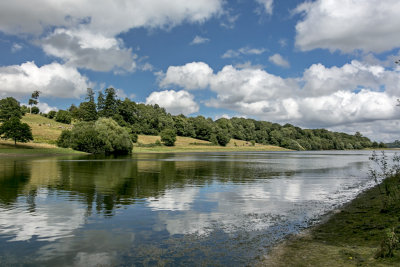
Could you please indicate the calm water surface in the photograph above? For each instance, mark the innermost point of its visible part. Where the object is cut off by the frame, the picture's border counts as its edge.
(167, 209)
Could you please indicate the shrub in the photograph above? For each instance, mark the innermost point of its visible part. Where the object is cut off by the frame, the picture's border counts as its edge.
(116, 139)
(104, 136)
(168, 137)
(223, 137)
(84, 137)
(64, 140)
(63, 116)
(35, 110)
(52, 114)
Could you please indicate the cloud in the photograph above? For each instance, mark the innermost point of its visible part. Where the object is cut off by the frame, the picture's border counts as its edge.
(45, 108)
(191, 76)
(53, 80)
(322, 97)
(199, 40)
(176, 103)
(16, 47)
(320, 80)
(83, 49)
(83, 35)
(243, 51)
(106, 17)
(277, 59)
(370, 26)
(267, 5)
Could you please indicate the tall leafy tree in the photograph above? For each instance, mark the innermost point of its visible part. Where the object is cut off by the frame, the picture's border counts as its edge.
(110, 103)
(9, 108)
(34, 99)
(87, 110)
(14, 129)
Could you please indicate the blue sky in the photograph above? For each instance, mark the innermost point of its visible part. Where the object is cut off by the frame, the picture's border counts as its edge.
(323, 63)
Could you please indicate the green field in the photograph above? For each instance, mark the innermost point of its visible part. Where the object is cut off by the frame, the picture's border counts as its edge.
(46, 131)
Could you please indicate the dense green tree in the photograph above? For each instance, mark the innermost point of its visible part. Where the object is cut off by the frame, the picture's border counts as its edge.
(64, 140)
(84, 137)
(9, 108)
(116, 138)
(110, 107)
(15, 130)
(223, 137)
(104, 136)
(87, 110)
(168, 137)
(24, 110)
(34, 99)
(63, 116)
(52, 114)
(35, 110)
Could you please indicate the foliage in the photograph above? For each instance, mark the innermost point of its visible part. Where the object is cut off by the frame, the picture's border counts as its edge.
(35, 110)
(63, 116)
(9, 107)
(395, 144)
(64, 140)
(87, 110)
(84, 137)
(382, 169)
(52, 114)
(34, 99)
(14, 129)
(223, 137)
(104, 136)
(168, 137)
(389, 243)
(116, 139)
(153, 119)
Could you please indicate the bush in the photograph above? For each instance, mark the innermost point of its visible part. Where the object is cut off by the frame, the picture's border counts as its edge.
(52, 114)
(104, 136)
(63, 116)
(116, 139)
(35, 110)
(84, 137)
(168, 137)
(223, 137)
(64, 140)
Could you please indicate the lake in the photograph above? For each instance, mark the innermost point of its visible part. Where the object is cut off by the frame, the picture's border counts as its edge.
(167, 209)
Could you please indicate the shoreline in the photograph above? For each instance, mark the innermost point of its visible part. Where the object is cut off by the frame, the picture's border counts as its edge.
(348, 236)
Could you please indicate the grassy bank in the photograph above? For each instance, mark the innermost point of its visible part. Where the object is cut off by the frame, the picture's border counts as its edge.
(186, 144)
(8, 149)
(46, 131)
(350, 237)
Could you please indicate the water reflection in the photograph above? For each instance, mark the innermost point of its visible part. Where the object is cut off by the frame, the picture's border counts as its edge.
(166, 208)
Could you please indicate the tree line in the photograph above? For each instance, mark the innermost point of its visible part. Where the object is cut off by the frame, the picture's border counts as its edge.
(97, 119)
(139, 118)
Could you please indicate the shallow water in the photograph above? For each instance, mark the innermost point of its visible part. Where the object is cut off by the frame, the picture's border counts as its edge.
(167, 209)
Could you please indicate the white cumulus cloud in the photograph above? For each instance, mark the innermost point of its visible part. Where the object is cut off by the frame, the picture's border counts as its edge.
(53, 80)
(84, 33)
(348, 25)
(277, 59)
(85, 49)
(175, 102)
(191, 76)
(107, 17)
(199, 40)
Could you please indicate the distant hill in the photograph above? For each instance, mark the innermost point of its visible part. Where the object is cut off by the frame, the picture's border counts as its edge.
(395, 144)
